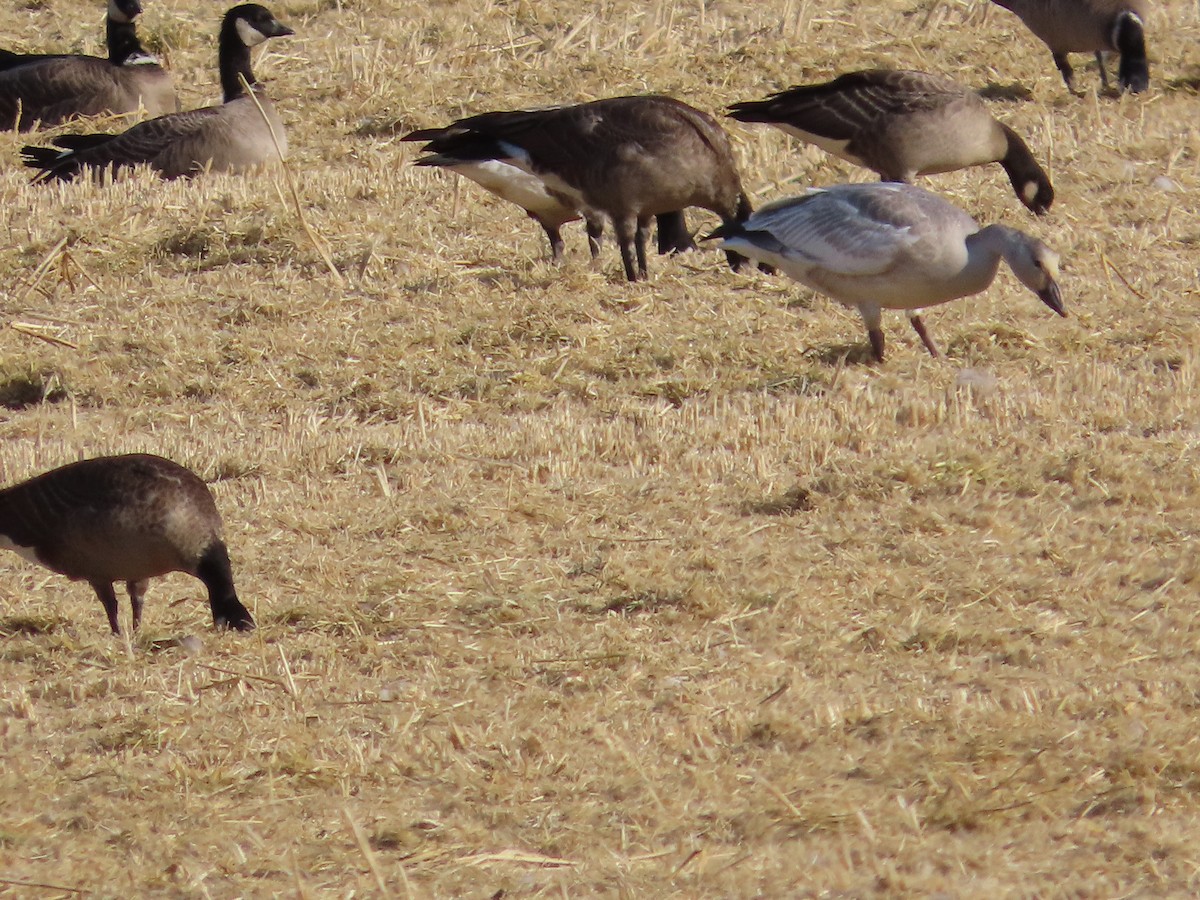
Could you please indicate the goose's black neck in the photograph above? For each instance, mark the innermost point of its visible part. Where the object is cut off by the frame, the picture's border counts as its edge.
(233, 57)
(123, 43)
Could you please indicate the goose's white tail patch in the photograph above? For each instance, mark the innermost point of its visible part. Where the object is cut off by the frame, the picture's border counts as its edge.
(519, 157)
(829, 145)
(515, 185)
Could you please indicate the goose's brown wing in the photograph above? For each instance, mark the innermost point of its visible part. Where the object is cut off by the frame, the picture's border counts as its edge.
(843, 108)
(142, 143)
(54, 88)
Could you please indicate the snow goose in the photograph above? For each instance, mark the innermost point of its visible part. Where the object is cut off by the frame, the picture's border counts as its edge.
(889, 246)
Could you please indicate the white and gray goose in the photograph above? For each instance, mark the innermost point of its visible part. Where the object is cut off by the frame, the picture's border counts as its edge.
(890, 246)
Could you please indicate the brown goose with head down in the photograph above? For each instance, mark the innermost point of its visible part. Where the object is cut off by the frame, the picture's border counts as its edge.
(530, 193)
(1091, 26)
(123, 518)
(902, 124)
(624, 159)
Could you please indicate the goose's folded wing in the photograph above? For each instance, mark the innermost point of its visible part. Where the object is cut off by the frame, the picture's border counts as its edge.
(146, 140)
(52, 88)
(544, 135)
(500, 124)
(651, 124)
(840, 109)
(834, 233)
(562, 139)
(10, 60)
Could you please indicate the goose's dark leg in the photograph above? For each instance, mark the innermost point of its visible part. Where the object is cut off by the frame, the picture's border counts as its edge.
(873, 318)
(104, 590)
(1103, 71)
(595, 231)
(556, 241)
(137, 593)
(876, 336)
(1064, 66)
(919, 327)
(641, 237)
(627, 229)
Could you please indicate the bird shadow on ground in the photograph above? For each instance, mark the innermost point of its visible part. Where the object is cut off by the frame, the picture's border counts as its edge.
(858, 354)
(1189, 84)
(1011, 93)
(31, 625)
(795, 499)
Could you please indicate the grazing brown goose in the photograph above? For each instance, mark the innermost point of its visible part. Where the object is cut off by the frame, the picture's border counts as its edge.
(123, 518)
(231, 137)
(51, 88)
(530, 193)
(1091, 26)
(626, 159)
(902, 124)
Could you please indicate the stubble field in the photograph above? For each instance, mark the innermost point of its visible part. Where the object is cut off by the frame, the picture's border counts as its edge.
(568, 587)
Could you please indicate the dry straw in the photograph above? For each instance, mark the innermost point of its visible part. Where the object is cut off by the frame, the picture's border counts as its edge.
(534, 552)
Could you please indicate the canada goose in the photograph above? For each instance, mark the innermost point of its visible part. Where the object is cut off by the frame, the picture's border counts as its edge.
(1091, 26)
(902, 124)
(626, 159)
(123, 518)
(531, 193)
(50, 88)
(890, 246)
(231, 137)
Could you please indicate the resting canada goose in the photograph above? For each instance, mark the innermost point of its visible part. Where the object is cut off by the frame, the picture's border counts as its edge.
(531, 193)
(123, 518)
(890, 246)
(1091, 26)
(51, 88)
(231, 137)
(626, 159)
(902, 124)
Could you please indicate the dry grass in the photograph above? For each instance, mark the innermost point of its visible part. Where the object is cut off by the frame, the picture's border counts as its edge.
(570, 587)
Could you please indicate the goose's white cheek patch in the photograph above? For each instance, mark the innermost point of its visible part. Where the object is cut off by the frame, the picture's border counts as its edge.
(1029, 192)
(115, 14)
(250, 35)
(27, 552)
